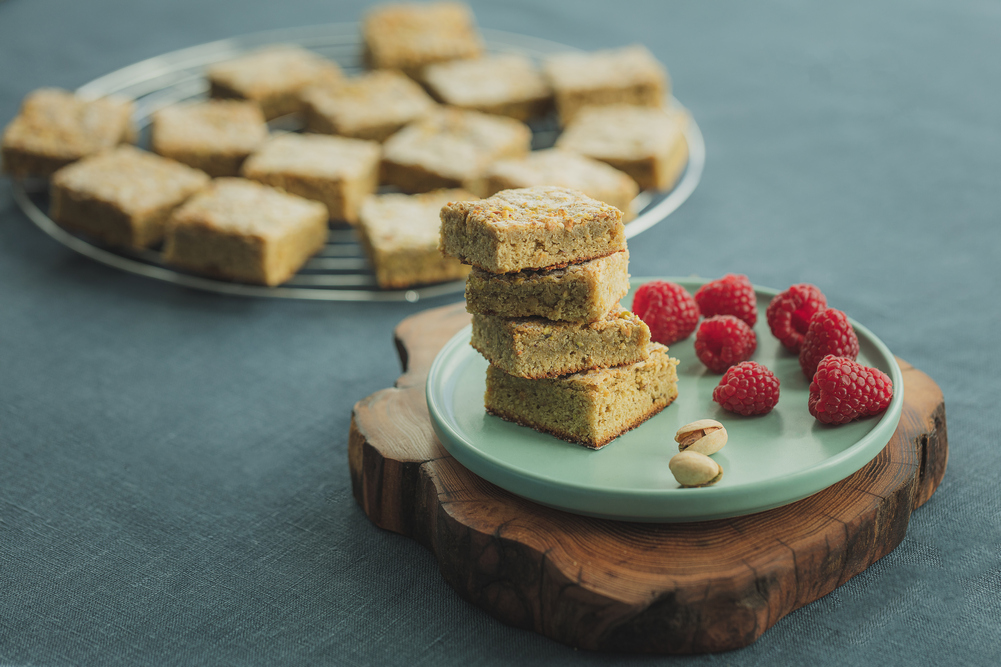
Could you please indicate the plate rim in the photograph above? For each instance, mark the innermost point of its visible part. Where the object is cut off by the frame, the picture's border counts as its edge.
(465, 453)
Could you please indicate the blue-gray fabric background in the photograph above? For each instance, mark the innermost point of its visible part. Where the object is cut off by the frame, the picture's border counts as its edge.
(173, 470)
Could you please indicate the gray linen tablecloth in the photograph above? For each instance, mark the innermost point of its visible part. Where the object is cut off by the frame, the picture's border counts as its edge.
(173, 473)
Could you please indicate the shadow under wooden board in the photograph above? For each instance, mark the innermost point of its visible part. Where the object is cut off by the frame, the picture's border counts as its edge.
(619, 586)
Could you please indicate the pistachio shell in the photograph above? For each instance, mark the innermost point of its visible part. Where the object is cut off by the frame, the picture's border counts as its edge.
(700, 425)
(708, 444)
(695, 469)
(705, 436)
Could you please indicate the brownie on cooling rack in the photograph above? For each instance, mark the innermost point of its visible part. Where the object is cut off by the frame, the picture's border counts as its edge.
(215, 136)
(273, 77)
(565, 169)
(372, 106)
(400, 236)
(630, 75)
(507, 85)
(336, 171)
(241, 230)
(408, 37)
(450, 148)
(55, 127)
(647, 143)
(122, 196)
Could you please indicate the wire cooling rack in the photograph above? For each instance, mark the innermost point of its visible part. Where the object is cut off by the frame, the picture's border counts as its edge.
(340, 272)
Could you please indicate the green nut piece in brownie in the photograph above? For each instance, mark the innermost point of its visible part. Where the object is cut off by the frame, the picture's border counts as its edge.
(122, 196)
(272, 77)
(55, 128)
(578, 293)
(215, 136)
(590, 408)
(337, 171)
(533, 347)
(242, 230)
(531, 228)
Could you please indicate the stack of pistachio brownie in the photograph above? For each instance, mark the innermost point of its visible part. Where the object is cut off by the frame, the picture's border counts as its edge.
(549, 268)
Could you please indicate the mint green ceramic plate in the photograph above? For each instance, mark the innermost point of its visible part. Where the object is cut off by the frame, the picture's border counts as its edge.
(769, 461)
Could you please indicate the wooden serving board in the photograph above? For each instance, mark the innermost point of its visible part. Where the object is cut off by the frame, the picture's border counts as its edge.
(618, 586)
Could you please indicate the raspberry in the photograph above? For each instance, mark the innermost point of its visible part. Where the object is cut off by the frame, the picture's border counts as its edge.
(669, 311)
(789, 314)
(723, 341)
(730, 295)
(829, 333)
(843, 390)
(747, 389)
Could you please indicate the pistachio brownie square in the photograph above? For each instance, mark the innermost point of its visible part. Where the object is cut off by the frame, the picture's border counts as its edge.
(372, 106)
(534, 347)
(242, 230)
(648, 144)
(531, 228)
(582, 292)
(337, 171)
(55, 127)
(507, 85)
(272, 77)
(215, 136)
(122, 196)
(592, 407)
(400, 236)
(629, 75)
(408, 37)
(553, 166)
(450, 148)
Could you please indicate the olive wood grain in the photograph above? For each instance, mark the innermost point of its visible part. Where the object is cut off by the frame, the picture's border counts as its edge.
(618, 586)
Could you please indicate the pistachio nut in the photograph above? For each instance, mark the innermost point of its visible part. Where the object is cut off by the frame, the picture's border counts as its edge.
(695, 469)
(705, 436)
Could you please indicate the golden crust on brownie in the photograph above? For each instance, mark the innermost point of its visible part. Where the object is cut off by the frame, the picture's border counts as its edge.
(531, 228)
(371, 106)
(505, 84)
(122, 196)
(629, 75)
(56, 127)
(646, 143)
(272, 77)
(242, 230)
(337, 171)
(408, 37)
(400, 236)
(567, 169)
(215, 136)
(449, 148)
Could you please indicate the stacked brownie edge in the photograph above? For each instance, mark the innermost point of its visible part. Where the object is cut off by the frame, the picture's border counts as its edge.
(550, 266)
